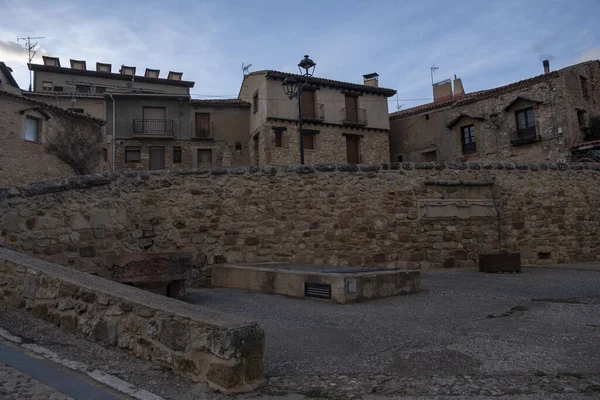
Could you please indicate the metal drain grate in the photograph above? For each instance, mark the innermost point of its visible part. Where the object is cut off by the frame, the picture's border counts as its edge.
(319, 290)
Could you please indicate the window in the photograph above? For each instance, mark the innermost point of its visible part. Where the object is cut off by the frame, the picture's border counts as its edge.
(399, 158)
(279, 139)
(238, 148)
(83, 88)
(351, 108)
(467, 138)
(525, 123)
(582, 118)
(58, 88)
(133, 155)
(176, 155)
(308, 104)
(584, 86)
(429, 156)
(204, 158)
(103, 67)
(309, 141)
(47, 86)
(255, 102)
(32, 129)
(104, 154)
(100, 89)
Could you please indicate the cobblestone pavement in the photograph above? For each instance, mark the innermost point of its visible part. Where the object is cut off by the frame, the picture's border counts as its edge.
(468, 335)
(16, 385)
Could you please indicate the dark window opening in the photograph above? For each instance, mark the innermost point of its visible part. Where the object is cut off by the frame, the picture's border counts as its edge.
(525, 123)
(238, 148)
(584, 86)
(278, 139)
(83, 88)
(544, 256)
(309, 141)
(581, 118)
(399, 158)
(427, 117)
(104, 154)
(255, 102)
(58, 88)
(467, 138)
(429, 156)
(100, 89)
(177, 155)
(133, 155)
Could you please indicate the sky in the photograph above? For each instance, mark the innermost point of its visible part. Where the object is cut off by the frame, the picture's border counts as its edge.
(485, 43)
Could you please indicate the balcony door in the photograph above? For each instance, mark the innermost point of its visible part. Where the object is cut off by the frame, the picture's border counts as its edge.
(154, 120)
(351, 108)
(203, 126)
(308, 104)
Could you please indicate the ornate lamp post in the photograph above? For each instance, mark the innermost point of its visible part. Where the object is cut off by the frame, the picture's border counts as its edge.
(292, 86)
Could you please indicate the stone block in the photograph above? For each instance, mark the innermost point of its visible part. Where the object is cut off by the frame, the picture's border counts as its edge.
(174, 334)
(105, 332)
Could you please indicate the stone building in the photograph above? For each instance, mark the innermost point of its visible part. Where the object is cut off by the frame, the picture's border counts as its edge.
(25, 126)
(538, 119)
(7, 81)
(342, 122)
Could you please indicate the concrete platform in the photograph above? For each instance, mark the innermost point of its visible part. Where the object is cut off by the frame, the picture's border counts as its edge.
(340, 284)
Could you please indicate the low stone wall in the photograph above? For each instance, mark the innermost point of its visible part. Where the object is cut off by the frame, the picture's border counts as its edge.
(410, 215)
(225, 351)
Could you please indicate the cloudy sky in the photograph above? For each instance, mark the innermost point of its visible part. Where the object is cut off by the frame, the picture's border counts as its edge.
(486, 43)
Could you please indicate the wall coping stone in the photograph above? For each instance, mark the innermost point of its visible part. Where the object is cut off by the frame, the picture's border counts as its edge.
(87, 181)
(130, 294)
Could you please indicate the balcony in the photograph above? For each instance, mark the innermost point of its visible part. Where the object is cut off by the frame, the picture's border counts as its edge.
(312, 112)
(354, 116)
(204, 131)
(155, 128)
(524, 136)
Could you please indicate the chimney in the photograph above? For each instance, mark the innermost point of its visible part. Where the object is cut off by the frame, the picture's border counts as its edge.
(459, 91)
(546, 66)
(442, 91)
(371, 79)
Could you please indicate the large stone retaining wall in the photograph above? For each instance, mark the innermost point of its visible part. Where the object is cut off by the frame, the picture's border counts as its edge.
(407, 215)
(205, 345)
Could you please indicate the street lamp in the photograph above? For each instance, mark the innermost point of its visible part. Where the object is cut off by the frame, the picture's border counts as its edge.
(292, 86)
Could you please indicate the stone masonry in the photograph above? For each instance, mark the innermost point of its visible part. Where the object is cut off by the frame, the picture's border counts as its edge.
(205, 345)
(323, 214)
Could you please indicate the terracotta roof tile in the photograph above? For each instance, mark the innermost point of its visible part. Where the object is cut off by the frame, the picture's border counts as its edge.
(220, 102)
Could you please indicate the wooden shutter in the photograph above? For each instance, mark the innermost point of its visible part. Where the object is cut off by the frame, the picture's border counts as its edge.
(352, 153)
(308, 104)
(351, 108)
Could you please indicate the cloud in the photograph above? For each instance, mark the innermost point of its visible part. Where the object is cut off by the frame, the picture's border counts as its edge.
(591, 54)
(12, 51)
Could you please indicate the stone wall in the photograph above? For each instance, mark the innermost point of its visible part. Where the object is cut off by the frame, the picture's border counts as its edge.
(202, 344)
(342, 215)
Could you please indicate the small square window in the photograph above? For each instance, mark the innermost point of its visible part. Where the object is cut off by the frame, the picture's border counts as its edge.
(177, 155)
(133, 155)
(47, 86)
(399, 158)
(32, 129)
(309, 141)
(58, 88)
(238, 148)
(83, 88)
(278, 139)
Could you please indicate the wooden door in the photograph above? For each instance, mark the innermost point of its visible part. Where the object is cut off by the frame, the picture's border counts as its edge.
(204, 158)
(154, 120)
(203, 126)
(157, 158)
(352, 150)
(308, 104)
(351, 109)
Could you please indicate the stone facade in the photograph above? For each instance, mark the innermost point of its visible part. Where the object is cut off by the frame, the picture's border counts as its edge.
(205, 345)
(338, 138)
(326, 214)
(23, 161)
(433, 131)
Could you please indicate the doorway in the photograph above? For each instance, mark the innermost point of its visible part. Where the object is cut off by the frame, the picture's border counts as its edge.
(352, 150)
(204, 158)
(157, 158)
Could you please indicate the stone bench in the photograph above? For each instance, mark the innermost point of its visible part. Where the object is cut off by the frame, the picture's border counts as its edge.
(223, 350)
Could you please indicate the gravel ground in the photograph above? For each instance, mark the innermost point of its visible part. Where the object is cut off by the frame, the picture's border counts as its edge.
(15, 385)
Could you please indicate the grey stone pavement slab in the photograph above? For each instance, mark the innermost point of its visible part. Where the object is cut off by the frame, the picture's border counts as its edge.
(15, 385)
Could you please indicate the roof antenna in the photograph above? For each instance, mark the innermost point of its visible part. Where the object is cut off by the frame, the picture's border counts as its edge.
(433, 69)
(31, 49)
(398, 105)
(245, 69)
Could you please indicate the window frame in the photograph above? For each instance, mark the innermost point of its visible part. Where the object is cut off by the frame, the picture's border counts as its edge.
(129, 150)
(529, 125)
(177, 155)
(47, 86)
(470, 146)
(79, 87)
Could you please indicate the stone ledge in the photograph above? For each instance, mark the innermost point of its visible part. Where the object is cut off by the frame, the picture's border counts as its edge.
(224, 350)
(86, 181)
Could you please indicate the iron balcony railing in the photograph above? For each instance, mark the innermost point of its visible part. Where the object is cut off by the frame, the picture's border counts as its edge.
(204, 130)
(354, 116)
(524, 136)
(312, 112)
(153, 126)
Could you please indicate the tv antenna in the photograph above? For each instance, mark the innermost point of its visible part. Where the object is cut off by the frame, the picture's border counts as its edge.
(433, 69)
(246, 69)
(31, 49)
(398, 105)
